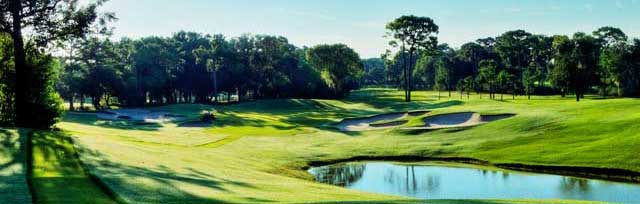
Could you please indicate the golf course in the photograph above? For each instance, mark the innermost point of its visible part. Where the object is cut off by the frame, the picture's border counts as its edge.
(319, 102)
(259, 151)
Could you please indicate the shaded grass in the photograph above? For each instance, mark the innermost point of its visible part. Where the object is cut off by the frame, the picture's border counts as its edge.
(255, 151)
(58, 176)
(13, 159)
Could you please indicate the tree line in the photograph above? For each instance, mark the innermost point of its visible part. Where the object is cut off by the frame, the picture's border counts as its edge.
(190, 67)
(605, 62)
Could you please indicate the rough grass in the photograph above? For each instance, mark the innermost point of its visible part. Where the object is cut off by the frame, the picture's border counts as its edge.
(255, 151)
(13, 160)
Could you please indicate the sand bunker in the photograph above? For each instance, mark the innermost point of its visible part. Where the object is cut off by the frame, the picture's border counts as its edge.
(464, 119)
(139, 115)
(372, 123)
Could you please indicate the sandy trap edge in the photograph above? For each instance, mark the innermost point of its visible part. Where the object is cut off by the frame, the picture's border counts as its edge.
(364, 123)
(460, 119)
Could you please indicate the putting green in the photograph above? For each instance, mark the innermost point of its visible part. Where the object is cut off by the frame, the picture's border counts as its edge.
(256, 151)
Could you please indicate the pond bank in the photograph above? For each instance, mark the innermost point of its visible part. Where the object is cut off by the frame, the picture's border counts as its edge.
(611, 174)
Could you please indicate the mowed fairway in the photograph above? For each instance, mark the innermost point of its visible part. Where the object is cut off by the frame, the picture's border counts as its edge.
(256, 151)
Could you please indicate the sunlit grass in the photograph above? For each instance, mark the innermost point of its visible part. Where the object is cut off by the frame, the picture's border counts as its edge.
(255, 151)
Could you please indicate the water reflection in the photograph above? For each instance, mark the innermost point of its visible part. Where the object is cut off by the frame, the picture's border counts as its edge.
(342, 175)
(572, 185)
(443, 182)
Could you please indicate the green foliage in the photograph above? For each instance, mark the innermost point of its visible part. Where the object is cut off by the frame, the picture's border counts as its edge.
(44, 102)
(46, 109)
(374, 72)
(487, 77)
(412, 34)
(47, 21)
(340, 65)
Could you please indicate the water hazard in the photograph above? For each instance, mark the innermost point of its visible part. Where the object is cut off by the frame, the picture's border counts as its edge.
(438, 181)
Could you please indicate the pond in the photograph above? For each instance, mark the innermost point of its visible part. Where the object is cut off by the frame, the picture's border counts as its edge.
(449, 181)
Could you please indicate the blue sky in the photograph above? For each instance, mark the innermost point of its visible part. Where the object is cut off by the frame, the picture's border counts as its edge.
(360, 23)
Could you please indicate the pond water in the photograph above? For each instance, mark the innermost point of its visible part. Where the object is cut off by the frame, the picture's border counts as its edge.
(438, 181)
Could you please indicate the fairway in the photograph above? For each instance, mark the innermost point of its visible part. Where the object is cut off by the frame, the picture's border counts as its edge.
(258, 151)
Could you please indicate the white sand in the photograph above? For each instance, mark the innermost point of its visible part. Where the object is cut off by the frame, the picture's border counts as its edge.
(463, 119)
(137, 115)
(362, 124)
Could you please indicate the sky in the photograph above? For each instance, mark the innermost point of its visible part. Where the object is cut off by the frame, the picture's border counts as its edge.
(360, 23)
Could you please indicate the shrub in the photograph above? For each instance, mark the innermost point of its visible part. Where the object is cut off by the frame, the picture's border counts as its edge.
(207, 116)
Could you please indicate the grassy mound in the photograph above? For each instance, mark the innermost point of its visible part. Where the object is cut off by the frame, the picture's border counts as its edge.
(256, 151)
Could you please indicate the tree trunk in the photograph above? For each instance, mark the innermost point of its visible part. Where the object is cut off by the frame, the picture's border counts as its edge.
(23, 72)
(71, 108)
(81, 102)
(215, 86)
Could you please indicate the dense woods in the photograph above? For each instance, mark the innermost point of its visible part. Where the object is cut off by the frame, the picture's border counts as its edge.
(190, 67)
(517, 62)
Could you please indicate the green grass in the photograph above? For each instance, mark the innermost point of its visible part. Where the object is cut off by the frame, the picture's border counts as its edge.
(58, 176)
(255, 151)
(13, 160)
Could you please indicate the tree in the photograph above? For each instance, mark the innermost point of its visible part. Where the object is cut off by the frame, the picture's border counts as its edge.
(505, 82)
(487, 76)
(469, 84)
(575, 62)
(472, 53)
(425, 71)
(528, 80)
(340, 66)
(514, 49)
(442, 79)
(445, 71)
(46, 21)
(562, 63)
(374, 71)
(611, 62)
(541, 54)
(410, 34)
(582, 76)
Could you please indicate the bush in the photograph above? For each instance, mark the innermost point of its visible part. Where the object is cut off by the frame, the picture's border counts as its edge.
(207, 116)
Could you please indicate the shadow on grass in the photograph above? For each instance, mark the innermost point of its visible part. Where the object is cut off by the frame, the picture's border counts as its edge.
(283, 114)
(13, 159)
(159, 184)
(88, 119)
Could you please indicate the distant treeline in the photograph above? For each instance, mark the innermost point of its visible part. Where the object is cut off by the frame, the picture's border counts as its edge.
(190, 67)
(605, 62)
